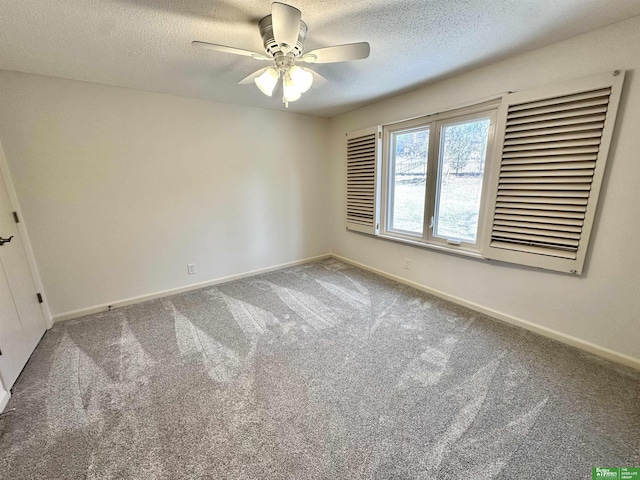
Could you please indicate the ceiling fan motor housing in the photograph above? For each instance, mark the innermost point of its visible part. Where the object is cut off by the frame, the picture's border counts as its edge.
(270, 45)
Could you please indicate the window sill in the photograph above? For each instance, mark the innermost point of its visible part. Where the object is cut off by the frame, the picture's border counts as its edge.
(429, 246)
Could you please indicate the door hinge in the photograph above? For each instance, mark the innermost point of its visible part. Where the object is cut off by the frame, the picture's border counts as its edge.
(379, 134)
(15, 217)
(40, 300)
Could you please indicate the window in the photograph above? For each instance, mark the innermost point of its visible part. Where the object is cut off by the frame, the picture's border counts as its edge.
(461, 161)
(408, 175)
(434, 177)
(515, 180)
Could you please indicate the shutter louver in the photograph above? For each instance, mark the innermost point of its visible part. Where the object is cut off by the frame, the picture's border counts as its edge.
(554, 149)
(363, 167)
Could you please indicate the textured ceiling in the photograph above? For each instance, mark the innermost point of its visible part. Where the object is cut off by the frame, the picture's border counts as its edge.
(145, 44)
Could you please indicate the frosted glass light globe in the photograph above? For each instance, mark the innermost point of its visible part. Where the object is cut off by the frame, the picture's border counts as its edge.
(290, 90)
(302, 78)
(267, 81)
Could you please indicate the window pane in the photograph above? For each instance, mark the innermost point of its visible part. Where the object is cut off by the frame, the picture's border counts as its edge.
(463, 150)
(409, 178)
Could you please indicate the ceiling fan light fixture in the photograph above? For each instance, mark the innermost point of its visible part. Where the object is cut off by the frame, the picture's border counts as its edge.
(267, 81)
(283, 36)
(301, 78)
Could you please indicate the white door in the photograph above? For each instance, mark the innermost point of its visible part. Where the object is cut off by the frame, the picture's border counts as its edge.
(22, 322)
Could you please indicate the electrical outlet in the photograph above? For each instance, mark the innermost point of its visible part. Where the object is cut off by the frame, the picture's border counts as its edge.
(191, 268)
(406, 264)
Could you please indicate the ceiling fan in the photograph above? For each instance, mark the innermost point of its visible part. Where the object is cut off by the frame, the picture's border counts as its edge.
(283, 34)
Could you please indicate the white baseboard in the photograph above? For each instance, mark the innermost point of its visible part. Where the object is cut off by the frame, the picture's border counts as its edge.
(4, 399)
(544, 331)
(173, 291)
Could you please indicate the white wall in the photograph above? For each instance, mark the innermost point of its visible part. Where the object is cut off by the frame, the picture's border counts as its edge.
(122, 188)
(603, 305)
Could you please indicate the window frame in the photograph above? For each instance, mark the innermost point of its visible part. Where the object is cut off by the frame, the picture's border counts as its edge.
(434, 123)
(388, 175)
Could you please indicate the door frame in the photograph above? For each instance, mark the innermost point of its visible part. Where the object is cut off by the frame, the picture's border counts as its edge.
(24, 235)
(5, 394)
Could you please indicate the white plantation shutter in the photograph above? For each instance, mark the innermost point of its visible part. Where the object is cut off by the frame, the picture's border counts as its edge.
(555, 142)
(363, 180)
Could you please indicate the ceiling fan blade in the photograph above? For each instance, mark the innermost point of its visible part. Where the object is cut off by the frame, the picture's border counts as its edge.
(233, 50)
(285, 20)
(338, 53)
(249, 79)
